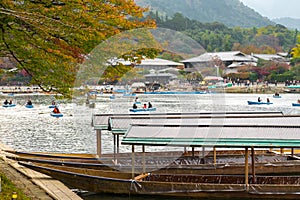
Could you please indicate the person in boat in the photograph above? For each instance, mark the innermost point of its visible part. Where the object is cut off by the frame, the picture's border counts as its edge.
(259, 99)
(298, 101)
(134, 106)
(136, 99)
(56, 110)
(53, 103)
(5, 102)
(268, 100)
(145, 106)
(29, 102)
(276, 94)
(149, 105)
(10, 102)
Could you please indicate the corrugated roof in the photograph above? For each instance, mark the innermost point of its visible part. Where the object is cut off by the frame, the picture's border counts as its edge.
(218, 136)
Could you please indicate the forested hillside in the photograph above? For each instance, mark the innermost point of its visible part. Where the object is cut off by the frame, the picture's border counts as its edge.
(229, 12)
(218, 37)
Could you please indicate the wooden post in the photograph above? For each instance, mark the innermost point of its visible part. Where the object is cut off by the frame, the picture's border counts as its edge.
(246, 167)
(118, 143)
(215, 156)
(193, 151)
(144, 159)
(132, 161)
(253, 165)
(203, 155)
(99, 146)
(292, 152)
(114, 148)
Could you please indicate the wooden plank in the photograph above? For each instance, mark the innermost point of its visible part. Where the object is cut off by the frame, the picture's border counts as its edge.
(53, 187)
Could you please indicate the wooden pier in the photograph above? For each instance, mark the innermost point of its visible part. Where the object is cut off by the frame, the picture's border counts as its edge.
(40, 185)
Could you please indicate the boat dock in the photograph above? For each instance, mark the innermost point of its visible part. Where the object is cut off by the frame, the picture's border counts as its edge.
(36, 185)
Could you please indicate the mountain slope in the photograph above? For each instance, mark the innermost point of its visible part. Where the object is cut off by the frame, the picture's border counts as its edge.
(288, 22)
(229, 12)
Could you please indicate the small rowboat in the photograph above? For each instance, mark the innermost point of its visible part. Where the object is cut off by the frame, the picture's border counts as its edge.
(8, 105)
(295, 104)
(258, 103)
(276, 96)
(53, 106)
(29, 106)
(142, 109)
(56, 114)
(129, 94)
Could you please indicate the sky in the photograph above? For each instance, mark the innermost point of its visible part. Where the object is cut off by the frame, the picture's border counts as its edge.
(275, 8)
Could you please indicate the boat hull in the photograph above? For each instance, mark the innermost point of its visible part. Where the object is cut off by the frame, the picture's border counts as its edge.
(56, 114)
(8, 105)
(275, 96)
(29, 106)
(142, 109)
(286, 187)
(295, 104)
(259, 103)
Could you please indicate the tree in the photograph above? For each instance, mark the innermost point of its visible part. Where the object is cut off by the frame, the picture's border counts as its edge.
(296, 50)
(49, 38)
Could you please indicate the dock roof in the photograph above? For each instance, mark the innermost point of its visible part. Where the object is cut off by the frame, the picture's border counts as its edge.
(262, 136)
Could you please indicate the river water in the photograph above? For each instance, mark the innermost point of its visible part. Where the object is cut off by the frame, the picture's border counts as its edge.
(35, 130)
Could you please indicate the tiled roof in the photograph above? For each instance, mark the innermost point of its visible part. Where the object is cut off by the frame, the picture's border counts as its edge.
(224, 56)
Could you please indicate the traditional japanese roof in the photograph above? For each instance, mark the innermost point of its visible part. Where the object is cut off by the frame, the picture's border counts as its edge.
(264, 136)
(269, 57)
(234, 56)
(148, 62)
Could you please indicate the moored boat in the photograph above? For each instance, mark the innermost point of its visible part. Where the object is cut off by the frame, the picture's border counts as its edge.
(295, 104)
(187, 185)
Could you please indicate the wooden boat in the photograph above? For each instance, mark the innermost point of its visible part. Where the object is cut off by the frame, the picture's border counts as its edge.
(258, 103)
(8, 105)
(175, 185)
(53, 155)
(266, 163)
(56, 114)
(295, 104)
(142, 109)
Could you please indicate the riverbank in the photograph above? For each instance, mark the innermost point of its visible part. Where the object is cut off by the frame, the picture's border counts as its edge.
(31, 184)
